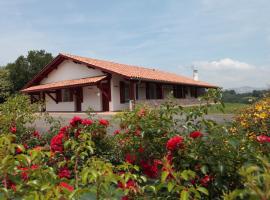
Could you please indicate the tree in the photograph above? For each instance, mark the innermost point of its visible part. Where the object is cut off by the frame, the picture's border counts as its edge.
(25, 68)
(5, 84)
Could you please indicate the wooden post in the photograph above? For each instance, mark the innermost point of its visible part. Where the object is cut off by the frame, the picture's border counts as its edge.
(131, 90)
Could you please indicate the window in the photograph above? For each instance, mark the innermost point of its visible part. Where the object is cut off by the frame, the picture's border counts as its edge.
(67, 95)
(178, 91)
(124, 92)
(151, 91)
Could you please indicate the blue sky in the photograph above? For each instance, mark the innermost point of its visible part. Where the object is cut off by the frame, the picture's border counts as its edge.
(228, 40)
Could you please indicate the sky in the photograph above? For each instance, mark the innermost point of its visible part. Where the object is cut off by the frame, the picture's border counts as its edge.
(228, 41)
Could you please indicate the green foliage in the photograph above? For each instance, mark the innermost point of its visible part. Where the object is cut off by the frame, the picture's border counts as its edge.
(157, 153)
(24, 68)
(5, 84)
(230, 96)
(256, 179)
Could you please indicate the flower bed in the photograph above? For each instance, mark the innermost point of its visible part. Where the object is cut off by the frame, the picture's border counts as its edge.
(152, 155)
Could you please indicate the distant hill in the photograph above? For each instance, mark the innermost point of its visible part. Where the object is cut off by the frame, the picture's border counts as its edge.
(245, 89)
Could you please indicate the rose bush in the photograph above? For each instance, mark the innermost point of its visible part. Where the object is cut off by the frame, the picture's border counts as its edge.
(156, 153)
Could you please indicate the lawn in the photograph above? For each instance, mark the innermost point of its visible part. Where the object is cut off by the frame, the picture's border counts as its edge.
(230, 108)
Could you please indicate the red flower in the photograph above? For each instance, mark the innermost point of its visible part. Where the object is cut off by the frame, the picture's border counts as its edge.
(150, 168)
(169, 157)
(141, 149)
(130, 184)
(9, 184)
(18, 150)
(75, 121)
(64, 129)
(57, 143)
(66, 186)
(104, 122)
(87, 122)
(174, 143)
(13, 129)
(33, 167)
(125, 198)
(195, 134)
(137, 132)
(64, 173)
(116, 132)
(141, 113)
(205, 180)
(130, 158)
(25, 146)
(36, 134)
(263, 139)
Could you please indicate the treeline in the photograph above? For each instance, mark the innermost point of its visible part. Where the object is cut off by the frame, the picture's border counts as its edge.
(230, 96)
(15, 75)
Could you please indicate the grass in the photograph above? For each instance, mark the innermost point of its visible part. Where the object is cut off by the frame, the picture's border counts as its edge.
(230, 108)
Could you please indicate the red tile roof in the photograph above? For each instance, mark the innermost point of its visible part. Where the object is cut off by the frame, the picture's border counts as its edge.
(128, 71)
(64, 84)
(136, 72)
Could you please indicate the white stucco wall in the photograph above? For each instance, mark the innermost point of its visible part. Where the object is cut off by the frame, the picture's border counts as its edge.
(51, 106)
(69, 70)
(115, 104)
(91, 99)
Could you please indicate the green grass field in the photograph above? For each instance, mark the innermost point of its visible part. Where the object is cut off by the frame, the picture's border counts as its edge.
(230, 108)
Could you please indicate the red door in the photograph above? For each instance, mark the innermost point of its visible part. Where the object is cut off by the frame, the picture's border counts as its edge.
(105, 96)
(78, 99)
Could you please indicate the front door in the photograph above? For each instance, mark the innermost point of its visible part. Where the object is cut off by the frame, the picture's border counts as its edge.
(105, 96)
(78, 99)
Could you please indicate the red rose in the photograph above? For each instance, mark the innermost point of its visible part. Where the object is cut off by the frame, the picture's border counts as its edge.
(205, 180)
(66, 186)
(137, 132)
(195, 134)
(19, 150)
(87, 122)
(57, 143)
(116, 132)
(125, 198)
(36, 134)
(13, 129)
(141, 113)
(104, 122)
(150, 168)
(9, 184)
(141, 149)
(174, 143)
(64, 129)
(263, 139)
(64, 173)
(75, 121)
(130, 158)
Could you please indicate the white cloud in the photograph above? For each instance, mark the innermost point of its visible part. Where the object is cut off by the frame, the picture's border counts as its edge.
(230, 73)
(224, 64)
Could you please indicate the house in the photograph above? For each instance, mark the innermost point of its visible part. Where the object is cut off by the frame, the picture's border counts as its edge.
(74, 83)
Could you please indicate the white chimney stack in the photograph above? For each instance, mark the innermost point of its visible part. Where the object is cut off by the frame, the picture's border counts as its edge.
(195, 75)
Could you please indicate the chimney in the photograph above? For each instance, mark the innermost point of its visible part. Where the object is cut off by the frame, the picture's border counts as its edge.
(195, 75)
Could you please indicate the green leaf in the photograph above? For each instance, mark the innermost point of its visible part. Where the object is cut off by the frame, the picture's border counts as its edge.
(170, 186)
(184, 195)
(164, 176)
(203, 190)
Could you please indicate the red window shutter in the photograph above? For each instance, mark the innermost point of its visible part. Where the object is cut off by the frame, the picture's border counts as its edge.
(71, 94)
(175, 91)
(122, 92)
(147, 91)
(159, 91)
(58, 95)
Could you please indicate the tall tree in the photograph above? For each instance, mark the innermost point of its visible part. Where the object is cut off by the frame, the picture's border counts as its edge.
(5, 84)
(25, 68)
